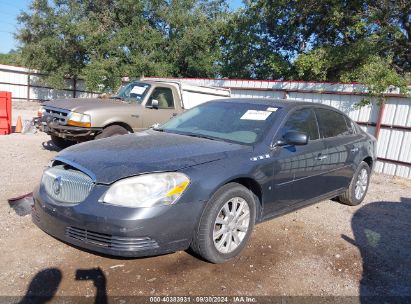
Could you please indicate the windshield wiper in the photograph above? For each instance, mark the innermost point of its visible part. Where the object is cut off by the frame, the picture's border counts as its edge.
(200, 136)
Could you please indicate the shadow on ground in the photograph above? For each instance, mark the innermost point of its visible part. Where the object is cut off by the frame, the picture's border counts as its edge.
(382, 232)
(43, 286)
(45, 283)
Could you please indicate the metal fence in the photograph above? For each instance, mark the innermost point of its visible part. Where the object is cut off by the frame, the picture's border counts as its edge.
(390, 122)
(25, 84)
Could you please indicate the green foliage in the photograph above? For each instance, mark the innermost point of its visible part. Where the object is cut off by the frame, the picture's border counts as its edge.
(313, 65)
(11, 58)
(104, 40)
(367, 41)
(361, 40)
(380, 78)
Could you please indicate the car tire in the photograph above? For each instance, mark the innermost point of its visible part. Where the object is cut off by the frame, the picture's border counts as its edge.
(210, 242)
(113, 130)
(357, 190)
(61, 143)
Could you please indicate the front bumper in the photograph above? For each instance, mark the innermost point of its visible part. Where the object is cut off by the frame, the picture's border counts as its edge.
(117, 231)
(66, 132)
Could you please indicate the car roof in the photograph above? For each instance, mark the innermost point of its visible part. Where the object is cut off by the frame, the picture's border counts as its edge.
(280, 103)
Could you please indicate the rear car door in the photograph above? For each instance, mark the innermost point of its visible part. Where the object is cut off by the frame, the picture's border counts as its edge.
(297, 170)
(167, 106)
(341, 142)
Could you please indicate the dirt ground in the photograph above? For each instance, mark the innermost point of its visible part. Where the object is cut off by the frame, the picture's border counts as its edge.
(325, 249)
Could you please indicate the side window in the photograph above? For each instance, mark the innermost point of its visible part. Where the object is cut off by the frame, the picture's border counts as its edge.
(331, 123)
(164, 97)
(350, 125)
(302, 121)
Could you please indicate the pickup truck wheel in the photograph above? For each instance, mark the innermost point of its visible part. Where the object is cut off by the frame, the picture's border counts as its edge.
(226, 224)
(357, 190)
(61, 142)
(112, 131)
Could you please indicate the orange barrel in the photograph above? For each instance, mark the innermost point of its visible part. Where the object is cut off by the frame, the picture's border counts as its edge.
(5, 113)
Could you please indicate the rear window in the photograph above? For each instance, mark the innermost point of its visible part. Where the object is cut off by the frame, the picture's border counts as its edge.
(331, 123)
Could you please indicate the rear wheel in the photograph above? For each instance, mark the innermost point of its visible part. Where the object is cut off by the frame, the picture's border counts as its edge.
(113, 130)
(358, 188)
(226, 224)
(61, 142)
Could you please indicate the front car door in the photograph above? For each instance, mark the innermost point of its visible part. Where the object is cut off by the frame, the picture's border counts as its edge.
(297, 169)
(167, 107)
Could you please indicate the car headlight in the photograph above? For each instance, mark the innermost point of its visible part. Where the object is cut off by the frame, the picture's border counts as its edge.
(147, 190)
(79, 120)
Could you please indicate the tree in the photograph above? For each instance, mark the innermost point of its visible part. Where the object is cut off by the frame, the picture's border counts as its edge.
(50, 41)
(104, 40)
(332, 40)
(358, 40)
(246, 48)
(11, 58)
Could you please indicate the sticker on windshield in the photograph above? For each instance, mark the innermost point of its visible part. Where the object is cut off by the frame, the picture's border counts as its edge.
(256, 115)
(271, 109)
(138, 90)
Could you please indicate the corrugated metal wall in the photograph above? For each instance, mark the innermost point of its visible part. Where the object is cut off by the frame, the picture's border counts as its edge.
(394, 140)
(27, 85)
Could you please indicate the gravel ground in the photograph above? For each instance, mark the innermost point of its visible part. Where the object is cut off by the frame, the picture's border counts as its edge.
(324, 249)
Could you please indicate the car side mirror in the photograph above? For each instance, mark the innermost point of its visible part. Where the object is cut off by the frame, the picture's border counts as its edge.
(154, 104)
(293, 138)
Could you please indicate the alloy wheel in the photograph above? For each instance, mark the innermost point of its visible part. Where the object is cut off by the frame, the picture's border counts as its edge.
(361, 184)
(231, 225)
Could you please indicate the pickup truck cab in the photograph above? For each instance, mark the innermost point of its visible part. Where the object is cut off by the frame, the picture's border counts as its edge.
(137, 106)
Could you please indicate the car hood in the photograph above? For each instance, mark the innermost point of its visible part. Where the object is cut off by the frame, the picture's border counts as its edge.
(118, 157)
(82, 105)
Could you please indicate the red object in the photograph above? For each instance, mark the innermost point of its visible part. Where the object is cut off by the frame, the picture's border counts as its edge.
(5, 113)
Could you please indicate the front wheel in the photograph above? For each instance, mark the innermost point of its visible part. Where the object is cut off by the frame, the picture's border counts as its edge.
(226, 224)
(358, 188)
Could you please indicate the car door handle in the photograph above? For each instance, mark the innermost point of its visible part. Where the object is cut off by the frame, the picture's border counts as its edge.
(321, 157)
(135, 116)
(354, 150)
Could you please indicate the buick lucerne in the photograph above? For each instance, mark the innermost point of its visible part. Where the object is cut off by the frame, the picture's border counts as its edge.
(203, 179)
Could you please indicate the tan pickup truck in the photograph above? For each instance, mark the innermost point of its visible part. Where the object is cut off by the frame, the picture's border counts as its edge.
(137, 106)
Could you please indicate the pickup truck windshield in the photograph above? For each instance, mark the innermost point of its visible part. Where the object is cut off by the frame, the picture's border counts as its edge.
(133, 92)
(243, 123)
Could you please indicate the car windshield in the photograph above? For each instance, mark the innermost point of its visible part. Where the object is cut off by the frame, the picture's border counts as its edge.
(240, 122)
(133, 92)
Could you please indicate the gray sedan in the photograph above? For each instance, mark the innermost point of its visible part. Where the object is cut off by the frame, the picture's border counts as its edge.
(203, 179)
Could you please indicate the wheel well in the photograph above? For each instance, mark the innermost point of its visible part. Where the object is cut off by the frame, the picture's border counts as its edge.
(121, 124)
(254, 187)
(369, 161)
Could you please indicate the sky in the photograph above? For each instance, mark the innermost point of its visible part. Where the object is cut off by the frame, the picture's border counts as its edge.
(10, 9)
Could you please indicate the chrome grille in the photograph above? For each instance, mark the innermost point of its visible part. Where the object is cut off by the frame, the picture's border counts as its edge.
(59, 115)
(66, 185)
(110, 241)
